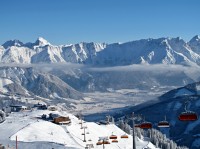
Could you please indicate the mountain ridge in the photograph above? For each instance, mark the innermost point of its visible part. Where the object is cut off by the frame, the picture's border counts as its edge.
(150, 51)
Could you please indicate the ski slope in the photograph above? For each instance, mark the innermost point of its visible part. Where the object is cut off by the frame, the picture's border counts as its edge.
(33, 132)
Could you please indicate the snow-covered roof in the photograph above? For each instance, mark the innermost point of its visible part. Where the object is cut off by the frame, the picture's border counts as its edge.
(18, 106)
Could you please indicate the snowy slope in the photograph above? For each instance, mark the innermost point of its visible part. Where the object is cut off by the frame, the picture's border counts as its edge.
(81, 52)
(44, 131)
(3, 82)
(192, 89)
(17, 55)
(48, 54)
(30, 131)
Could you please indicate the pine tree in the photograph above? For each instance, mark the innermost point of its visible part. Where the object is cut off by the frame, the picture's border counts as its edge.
(112, 120)
(121, 124)
(161, 141)
(127, 128)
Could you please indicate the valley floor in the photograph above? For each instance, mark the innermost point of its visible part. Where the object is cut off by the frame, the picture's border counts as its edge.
(98, 104)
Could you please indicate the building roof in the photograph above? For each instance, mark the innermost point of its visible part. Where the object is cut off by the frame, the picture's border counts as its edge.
(16, 106)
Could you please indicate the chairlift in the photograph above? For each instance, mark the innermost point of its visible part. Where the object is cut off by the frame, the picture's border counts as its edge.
(146, 125)
(105, 142)
(113, 137)
(164, 123)
(99, 143)
(188, 115)
(124, 136)
(114, 141)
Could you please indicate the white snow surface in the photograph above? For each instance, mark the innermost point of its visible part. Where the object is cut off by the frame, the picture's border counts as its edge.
(30, 130)
(44, 131)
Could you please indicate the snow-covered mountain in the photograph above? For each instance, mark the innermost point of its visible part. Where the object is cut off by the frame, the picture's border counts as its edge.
(151, 51)
(171, 105)
(41, 51)
(30, 82)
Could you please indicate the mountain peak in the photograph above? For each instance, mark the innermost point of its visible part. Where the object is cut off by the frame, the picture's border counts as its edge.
(195, 38)
(41, 42)
(178, 38)
(12, 43)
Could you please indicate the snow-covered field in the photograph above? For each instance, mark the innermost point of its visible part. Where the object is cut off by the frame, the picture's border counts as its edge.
(35, 133)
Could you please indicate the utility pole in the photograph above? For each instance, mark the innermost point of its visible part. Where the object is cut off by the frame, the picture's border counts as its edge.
(81, 118)
(103, 143)
(104, 139)
(84, 140)
(16, 142)
(81, 123)
(134, 144)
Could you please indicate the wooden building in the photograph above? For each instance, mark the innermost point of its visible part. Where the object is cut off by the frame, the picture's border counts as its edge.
(62, 120)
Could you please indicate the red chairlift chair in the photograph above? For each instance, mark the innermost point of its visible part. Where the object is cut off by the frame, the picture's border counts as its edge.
(146, 125)
(188, 115)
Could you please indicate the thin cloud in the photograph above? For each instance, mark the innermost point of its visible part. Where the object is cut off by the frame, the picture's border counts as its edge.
(192, 71)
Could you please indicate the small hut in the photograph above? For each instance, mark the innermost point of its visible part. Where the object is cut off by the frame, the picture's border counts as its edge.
(17, 108)
(40, 106)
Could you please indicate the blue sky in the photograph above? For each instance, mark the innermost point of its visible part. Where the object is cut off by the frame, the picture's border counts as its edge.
(73, 21)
